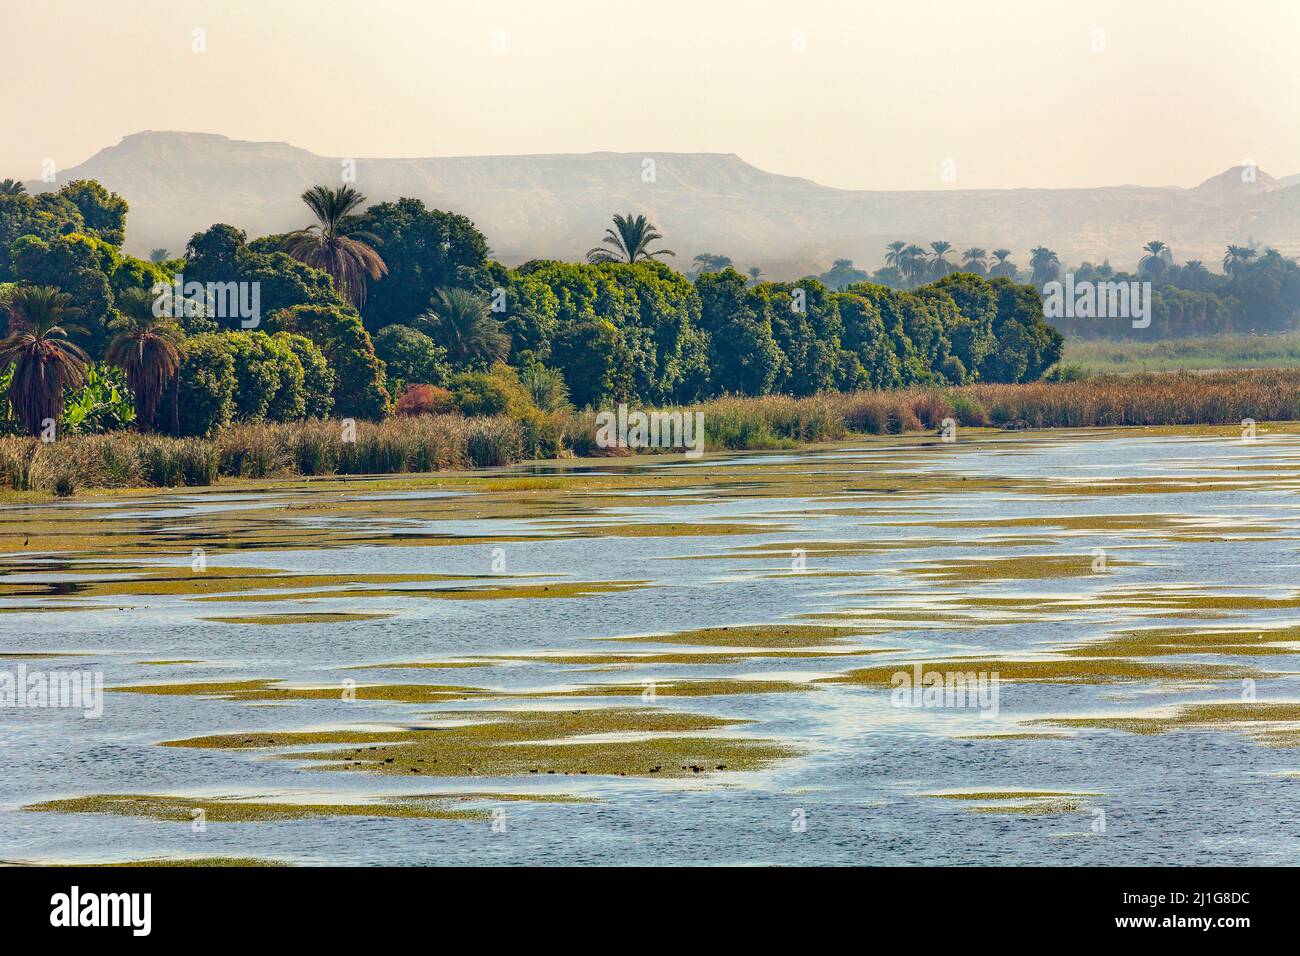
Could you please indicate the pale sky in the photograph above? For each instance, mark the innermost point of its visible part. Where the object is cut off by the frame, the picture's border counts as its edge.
(859, 94)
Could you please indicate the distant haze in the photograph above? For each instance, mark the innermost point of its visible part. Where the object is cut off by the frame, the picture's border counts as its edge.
(878, 95)
(557, 206)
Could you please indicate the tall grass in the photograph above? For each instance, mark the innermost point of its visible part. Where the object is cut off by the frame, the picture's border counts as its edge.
(421, 443)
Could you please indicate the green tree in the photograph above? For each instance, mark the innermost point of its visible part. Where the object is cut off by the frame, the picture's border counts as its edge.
(410, 357)
(939, 264)
(629, 241)
(43, 361)
(976, 260)
(1002, 264)
(148, 349)
(336, 243)
(359, 383)
(1156, 261)
(425, 250)
(711, 262)
(1044, 264)
(461, 322)
(1236, 257)
(103, 212)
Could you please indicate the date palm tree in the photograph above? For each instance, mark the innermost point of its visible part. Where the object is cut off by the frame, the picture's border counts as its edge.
(913, 263)
(11, 187)
(1045, 265)
(335, 244)
(755, 274)
(1002, 264)
(975, 260)
(44, 362)
(894, 254)
(1156, 260)
(1195, 276)
(459, 320)
(629, 241)
(1236, 257)
(939, 264)
(157, 256)
(149, 349)
(711, 262)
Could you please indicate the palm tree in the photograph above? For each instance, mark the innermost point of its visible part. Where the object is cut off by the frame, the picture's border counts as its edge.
(755, 273)
(975, 260)
(335, 244)
(630, 240)
(157, 256)
(1195, 276)
(939, 265)
(1236, 257)
(894, 255)
(711, 262)
(460, 321)
(913, 263)
(1003, 266)
(11, 187)
(1045, 265)
(1156, 259)
(149, 349)
(44, 362)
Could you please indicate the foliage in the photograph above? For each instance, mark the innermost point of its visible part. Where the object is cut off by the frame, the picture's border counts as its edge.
(359, 383)
(410, 356)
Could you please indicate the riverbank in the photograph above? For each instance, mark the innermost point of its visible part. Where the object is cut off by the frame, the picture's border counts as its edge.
(436, 443)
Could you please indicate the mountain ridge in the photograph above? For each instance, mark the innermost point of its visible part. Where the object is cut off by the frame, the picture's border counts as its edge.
(557, 205)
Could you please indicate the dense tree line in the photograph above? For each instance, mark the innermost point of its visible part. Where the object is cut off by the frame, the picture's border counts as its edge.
(367, 301)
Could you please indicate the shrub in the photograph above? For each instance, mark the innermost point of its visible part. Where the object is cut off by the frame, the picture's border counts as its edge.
(268, 377)
(424, 400)
(317, 376)
(410, 356)
(207, 385)
(495, 392)
(359, 383)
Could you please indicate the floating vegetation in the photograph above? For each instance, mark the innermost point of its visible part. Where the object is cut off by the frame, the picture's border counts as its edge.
(636, 742)
(1080, 670)
(306, 617)
(1019, 802)
(186, 809)
(1269, 723)
(755, 635)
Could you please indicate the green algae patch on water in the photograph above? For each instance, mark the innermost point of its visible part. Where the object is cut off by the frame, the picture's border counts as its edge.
(306, 617)
(1021, 568)
(1164, 641)
(1108, 670)
(683, 687)
(1019, 802)
(754, 636)
(729, 656)
(1268, 723)
(269, 690)
(199, 861)
(621, 741)
(183, 809)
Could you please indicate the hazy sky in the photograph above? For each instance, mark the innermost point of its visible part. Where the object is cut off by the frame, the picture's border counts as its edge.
(874, 95)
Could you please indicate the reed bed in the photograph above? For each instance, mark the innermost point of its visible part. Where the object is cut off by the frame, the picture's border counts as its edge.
(424, 443)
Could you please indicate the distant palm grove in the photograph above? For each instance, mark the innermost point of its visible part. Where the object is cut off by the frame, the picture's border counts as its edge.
(397, 307)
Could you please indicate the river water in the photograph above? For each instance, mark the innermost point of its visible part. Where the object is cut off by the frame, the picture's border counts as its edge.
(1090, 536)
